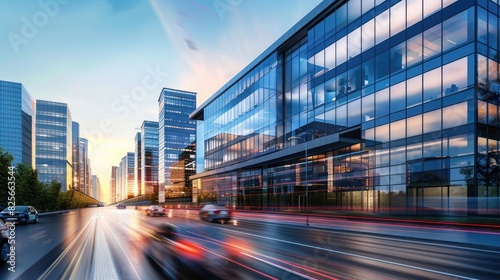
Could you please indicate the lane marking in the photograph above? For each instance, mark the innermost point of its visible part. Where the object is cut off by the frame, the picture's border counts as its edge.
(103, 267)
(280, 267)
(355, 255)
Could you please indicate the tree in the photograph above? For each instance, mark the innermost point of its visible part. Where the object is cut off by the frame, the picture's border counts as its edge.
(5, 163)
(29, 191)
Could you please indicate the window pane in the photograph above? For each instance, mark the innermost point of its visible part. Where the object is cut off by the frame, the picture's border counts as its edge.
(432, 41)
(482, 26)
(493, 76)
(382, 27)
(414, 50)
(354, 43)
(398, 97)
(455, 31)
(432, 121)
(398, 57)
(342, 116)
(398, 17)
(330, 57)
(368, 35)
(368, 107)
(432, 84)
(455, 76)
(455, 115)
(353, 10)
(341, 16)
(381, 101)
(382, 133)
(482, 112)
(414, 126)
(431, 6)
(368, 72)
(382, 66)
(482, 76)
(414, 91)
(354, 113)
(341, 50)
(398, 130)
(413, 12)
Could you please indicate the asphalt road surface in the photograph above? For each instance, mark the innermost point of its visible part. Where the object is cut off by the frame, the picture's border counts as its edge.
(109, 243)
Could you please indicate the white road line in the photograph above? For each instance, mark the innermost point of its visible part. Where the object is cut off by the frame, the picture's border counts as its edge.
(355, 255)
(279, 266)
(103, 267)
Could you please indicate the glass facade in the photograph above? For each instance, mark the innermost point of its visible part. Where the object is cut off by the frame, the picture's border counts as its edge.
(130, 174)
(76, 155)
(138, 164)
(149, 156)
(176, 135)
(366, 105)
(54, 152)
(85, 179)
(17, 122)
(113, 184)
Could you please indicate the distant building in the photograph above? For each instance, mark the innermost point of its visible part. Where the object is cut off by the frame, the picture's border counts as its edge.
(130, 174)
(176, 133)
(113, 184)
(96, 188)
(54, 151)
(75, 145)
(149, 157)
(138, 165)
(85, 173)
(17, 122)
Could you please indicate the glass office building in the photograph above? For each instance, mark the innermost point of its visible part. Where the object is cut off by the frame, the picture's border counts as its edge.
(137, 164)
(54, 150)
(17, 122)
(365, 105)
(149, 156)
(176, 136)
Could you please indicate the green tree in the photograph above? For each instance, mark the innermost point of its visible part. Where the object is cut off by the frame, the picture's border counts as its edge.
(29, 191)
(5, 163)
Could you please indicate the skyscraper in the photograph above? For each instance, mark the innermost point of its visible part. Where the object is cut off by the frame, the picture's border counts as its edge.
(96, 188)
(75, 145)
(17, 122)
(138, 165)
(176, 132)
(149, 156)
(84, 166)
(54, 152)
(113, 184)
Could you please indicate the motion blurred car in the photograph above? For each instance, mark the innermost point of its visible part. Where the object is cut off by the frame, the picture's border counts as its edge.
(212, 212)
(20, 214)
(155, 210)
(121, 206)
(179, 257)
(4, 242)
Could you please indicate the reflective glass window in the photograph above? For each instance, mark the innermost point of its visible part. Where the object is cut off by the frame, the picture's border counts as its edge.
(431, 6)
(455, 76)
(432, 85)
(330, 57)
(414, 50)
(319, 96)
(355, 79)
(432, 121)
(398, 57)
(354, 40)
(432, 41)
(353, 10)
(354, 113)
(455, 115)
(413, 12)
(398, 17)
(414, 91)
(492, 31)
(368, 105)
(493, 81)
(398, 97)
(482, 26)
(382, 133)
(330, 91)
(382, 66)
(341, 50)
(381, 103)
(382, 27)
(482, 112)
(398, 130)
(414, 126)
(368, 72)
(342, 116)
(368, 35)
(482, 77)
(455, 31)
(414, 151)
(367, 5)
(341, 17)
(432, 149)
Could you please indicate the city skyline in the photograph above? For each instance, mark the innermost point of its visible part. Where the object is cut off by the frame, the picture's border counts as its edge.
(110, 60)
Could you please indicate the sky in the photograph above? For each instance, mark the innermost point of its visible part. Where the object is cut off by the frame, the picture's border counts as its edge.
(109, 59)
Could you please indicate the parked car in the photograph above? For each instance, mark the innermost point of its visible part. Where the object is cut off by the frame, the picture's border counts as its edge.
(20, 214)
(4, 245)
(212, 212)
(121, 206)
(155, 210)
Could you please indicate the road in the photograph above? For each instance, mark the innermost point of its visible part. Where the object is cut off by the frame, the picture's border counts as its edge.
(109, 243)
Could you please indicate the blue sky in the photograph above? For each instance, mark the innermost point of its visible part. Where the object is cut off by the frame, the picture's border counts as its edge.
(109, 59)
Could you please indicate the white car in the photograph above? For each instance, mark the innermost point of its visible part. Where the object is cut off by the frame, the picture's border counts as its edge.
(155, 210)
(212, 212)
